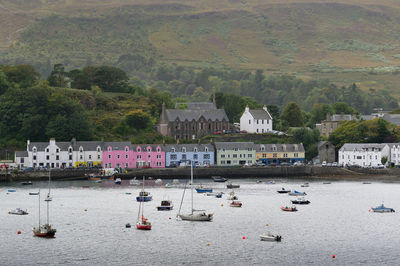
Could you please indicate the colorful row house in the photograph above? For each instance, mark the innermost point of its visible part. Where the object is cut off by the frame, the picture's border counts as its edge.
(199, 154)
(118, 155)
(147, 155)
(279, 153)
(235, 153)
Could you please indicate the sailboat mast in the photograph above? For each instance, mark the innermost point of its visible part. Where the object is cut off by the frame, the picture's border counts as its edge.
(49, 181)
(39, 208)
(191, 180)
(142, 202)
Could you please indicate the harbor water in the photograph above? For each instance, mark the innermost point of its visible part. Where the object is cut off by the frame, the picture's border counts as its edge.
(337, 228)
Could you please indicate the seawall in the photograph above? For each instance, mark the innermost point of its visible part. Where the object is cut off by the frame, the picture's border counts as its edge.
(70, 174)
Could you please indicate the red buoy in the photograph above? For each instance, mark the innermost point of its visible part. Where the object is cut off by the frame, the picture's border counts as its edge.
(19, 232)
(244, 237)
(333, 256)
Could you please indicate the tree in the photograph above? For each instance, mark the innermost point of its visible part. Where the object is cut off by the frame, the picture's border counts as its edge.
(110, 79)
(384, 160)
(23, 75)
(292, 115)
(57, 77)
(4, 84)
(139, 120)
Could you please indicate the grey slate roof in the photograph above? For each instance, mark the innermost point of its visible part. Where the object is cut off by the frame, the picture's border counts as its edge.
(260, 114)
(280, 147)
(321, 143)
(232, 145)
(362, 146)
(198, 105)
(189, 147)
(144, 146)
(342, 117)
(392, 118)
(182, 115)
(21, 154)
(41, 146)
(89, 145)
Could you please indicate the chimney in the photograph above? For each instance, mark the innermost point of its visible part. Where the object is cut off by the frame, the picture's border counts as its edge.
(28, 142)
(52, 141)
(214, 101)
(328, 117)
(265, 108)
(247, 109)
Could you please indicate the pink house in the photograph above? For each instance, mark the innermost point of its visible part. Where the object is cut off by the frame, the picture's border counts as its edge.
(147, 155)
(118, 154)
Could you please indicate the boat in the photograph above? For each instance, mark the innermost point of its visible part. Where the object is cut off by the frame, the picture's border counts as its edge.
(219, 179)
(283, 190)
(93, 177)
(98, 181)
(382, 209)
(142, 223)
(158, 181)
(202, 189)
(33, 193)
(230, 185)
(301, 201)
(166, 205)
(289, 209)
(26, 183)
(219, 195)
(44, 230)
(194, 215)
(211, 194)
(270, 237)
(134, 182)
(232, 196)
(235, 203)
(326, 183)
(297, 193)
(118, 181)
(271, 182)
(305, 185)
(144, 196)
(18, 211)
(11, 190)
(366, 183)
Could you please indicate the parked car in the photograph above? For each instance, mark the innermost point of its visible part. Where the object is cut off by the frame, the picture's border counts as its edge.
(243, 131)
(298, 163)
(259, 163)
(28, 169)
(334, 164)
(284, 164)
(323, 163)
(217, 133)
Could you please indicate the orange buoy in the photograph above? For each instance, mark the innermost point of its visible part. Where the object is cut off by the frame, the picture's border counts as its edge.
(19, 232)
(222, 205)
(266, 224)
(208, 244)
(85, 210)
(333, 256)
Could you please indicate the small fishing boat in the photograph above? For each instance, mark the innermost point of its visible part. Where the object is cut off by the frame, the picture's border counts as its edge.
(270, 237)
(236, 203)
(26, 183)
(44, 230)
(219, 195)
(230, 185)
(158, 181)
(219, 179)
(289, 209)
(166, 205)
(297, 193)
(382, 209)
(33, 193)
(271, 182)
(232, 196)
(134, 182)
(93, 177)
(366, 183)
(283, 190)
(118, 181)
(128, 193)
(12, 190)
(326, 183)
(98, 181)
(300, 200)
(305, 185)
(211, 194)
(18, 211)
(202, 189)
(144, 196)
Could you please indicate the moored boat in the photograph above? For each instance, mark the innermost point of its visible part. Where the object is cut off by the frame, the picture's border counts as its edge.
(236, 203)
(142, 223)
(297, 193)
(270, 237)
(305, 185)
(26, 183)
(144, 196)
(382, 209)
(166, 205)
(283, 190)
(230, 185)
(202, 189)
(289, 209)
(33, 193)
(44, 230)
(118, 181)
(300, 200)
(219, 179)
(219, 195)
(18, 211)
(11, 190)
(232, 196)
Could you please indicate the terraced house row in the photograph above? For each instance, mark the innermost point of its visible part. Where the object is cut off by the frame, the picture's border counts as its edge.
(54, 154)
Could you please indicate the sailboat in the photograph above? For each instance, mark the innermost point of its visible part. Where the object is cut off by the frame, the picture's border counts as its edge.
(48, 197)
(44, 230)
(195, 215)
(142, 223)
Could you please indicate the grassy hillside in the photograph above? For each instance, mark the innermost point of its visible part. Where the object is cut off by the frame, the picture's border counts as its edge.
(345, 41)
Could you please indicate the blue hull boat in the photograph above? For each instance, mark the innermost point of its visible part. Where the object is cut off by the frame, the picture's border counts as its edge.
(382, 208)
(204, 190)
(11, 190)
(144, 198)
(164, 208)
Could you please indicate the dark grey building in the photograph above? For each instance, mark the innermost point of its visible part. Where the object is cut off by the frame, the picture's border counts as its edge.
(326, 152)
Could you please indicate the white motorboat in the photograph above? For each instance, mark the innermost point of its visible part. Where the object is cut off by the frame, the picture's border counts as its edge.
(232, 196)
(270, 237)
(118, 181)
(297, 193)
(305, 185)
(18, 211)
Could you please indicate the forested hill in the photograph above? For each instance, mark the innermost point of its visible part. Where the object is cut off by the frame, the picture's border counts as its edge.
(353, 41)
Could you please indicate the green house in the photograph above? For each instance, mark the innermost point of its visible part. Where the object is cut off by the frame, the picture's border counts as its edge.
(235, 153)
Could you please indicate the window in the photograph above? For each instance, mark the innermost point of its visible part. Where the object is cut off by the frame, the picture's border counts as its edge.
(262, 122)
(109, 156)
(139, 156)
(149, 156)
(296, 155)
(195, 149)
(22, 160)
(249, 121)
(257, 130)
(57, 150)
(195, 156)
(206, 156)
(206, 149)
(98, 149)
(158, 156)
(81, 157)
(262, 148)
(275, 155)
(47, 157)
(249, 155)
(249, 149)
(126, 149)
(34, 157)
(47, 150)
(234, 155)
(222, 162)
(359, 157)
(126, 165)
(183, 149)
(126, 156)
(90, 157)
(257, 121)
(57, 157)
(34, 149)
(70, 157)
(183, 156)
(173, 150)
(264, 155)
(69, 149)
(222, 155)
(98, 157)
(249, 161)
(235, 149)
(173, 157)
(118, 156)
(109, 148)
(80, 149)
(149, 149)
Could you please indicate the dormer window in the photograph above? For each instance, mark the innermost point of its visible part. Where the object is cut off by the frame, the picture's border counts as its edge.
(195, 149)
(183, 149)
(34, 149)
(98, 149)
(69, 149)
(262, 148)
(126, 149)
(139, 149)
(172, 149)
(149, 149)
(109, 148)
(206, 149)
(158, 150)
(80, 149)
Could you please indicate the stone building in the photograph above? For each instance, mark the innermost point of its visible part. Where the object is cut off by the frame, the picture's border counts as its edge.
(198, 120)
(326, 152)
(332, 122)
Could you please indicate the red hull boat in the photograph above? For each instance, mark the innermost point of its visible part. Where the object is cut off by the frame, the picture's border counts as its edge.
(46, 235)
(289, 209)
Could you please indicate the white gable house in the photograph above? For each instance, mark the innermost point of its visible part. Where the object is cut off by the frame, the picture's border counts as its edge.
(256, 121)
(394, 154)
(363, 154)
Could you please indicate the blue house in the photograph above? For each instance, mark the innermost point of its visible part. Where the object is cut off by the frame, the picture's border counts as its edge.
(200, 154)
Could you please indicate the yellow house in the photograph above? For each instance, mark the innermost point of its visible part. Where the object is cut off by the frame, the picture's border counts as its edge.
(279, 153)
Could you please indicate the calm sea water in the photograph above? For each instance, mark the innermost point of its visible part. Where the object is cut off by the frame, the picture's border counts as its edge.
(337, 222)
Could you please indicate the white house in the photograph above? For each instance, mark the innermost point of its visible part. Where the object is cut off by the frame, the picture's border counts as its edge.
(363, 154)
(21, 159)
(394, 154)
(256, 121)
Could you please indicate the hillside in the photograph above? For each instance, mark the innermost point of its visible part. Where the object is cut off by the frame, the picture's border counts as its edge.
(345, 41)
